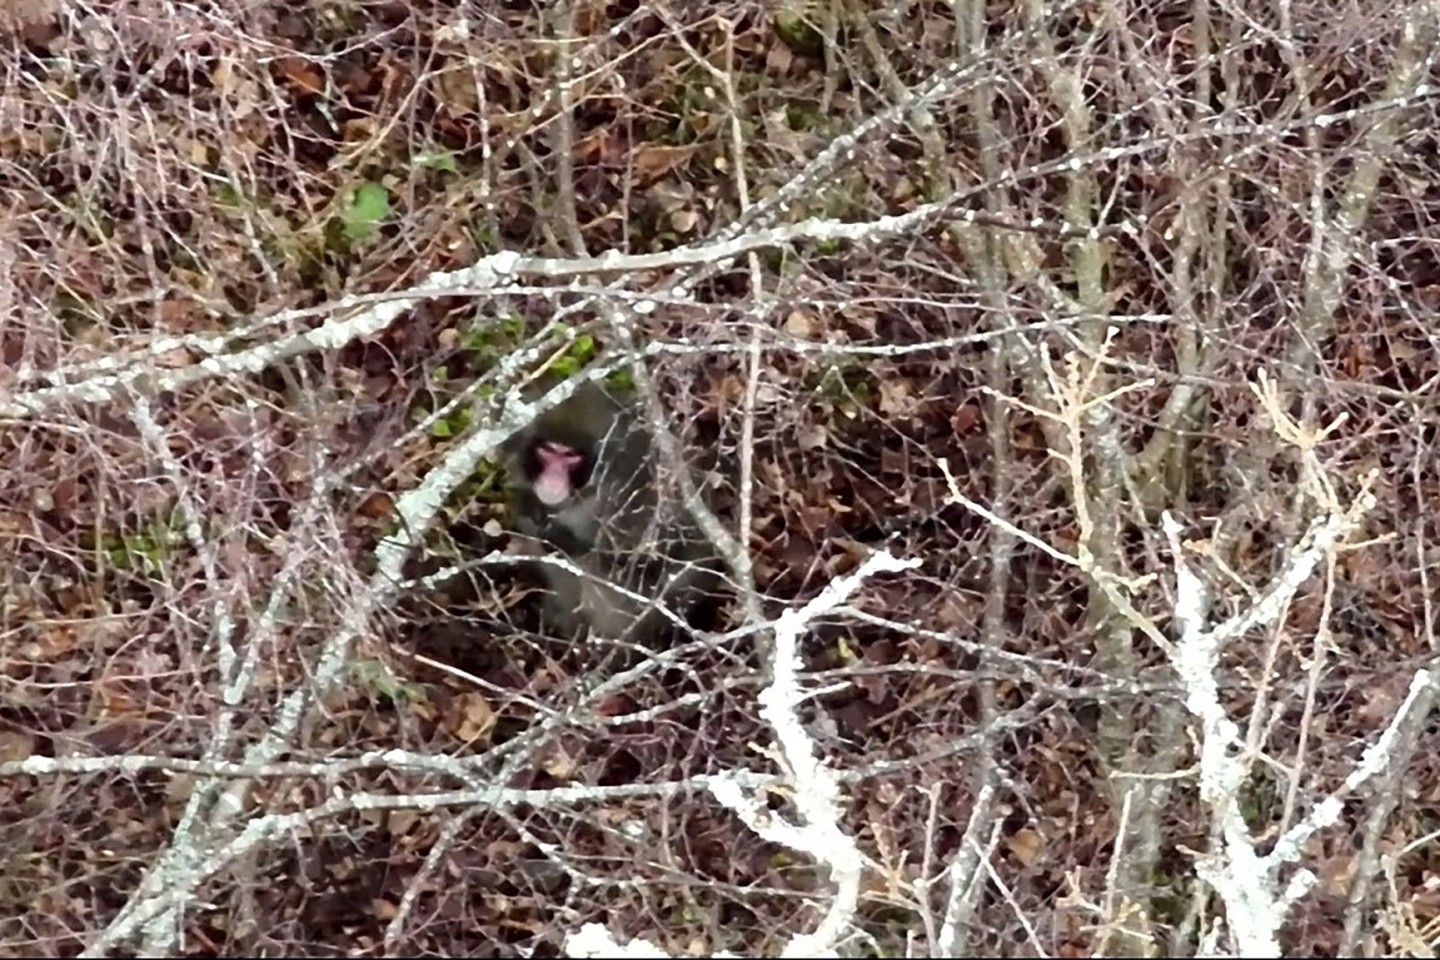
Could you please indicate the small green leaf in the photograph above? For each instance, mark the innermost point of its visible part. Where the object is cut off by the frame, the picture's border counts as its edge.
(438, 160)
(798, 33)
(369, 204)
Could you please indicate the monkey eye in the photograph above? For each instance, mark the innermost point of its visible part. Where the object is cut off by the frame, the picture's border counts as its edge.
(558, 456)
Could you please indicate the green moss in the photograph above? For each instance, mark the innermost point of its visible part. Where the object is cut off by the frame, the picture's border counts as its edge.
(576, 356)
(797, 30)
(143, 546)
(377, 682)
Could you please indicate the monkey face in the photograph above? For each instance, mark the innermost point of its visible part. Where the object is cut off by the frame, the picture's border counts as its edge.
(575, 471)
(559, 470)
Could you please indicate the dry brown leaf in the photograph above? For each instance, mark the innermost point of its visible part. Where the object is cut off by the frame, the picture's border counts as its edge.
(684, 221)
(15, 745)
(1336, 875)
(779, 59)
(800, 323)
(476, 717)
(302, 73)
(896, 399)
(1025, 845)
(558, 762)
(376, 506)
(813, 437)
(653, 161)
(965, 418)
(20, 15)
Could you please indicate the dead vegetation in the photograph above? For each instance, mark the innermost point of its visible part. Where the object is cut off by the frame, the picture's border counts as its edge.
(1137, 209)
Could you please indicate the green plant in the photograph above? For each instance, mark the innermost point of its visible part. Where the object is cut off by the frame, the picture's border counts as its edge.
(363, 208)
(379, 683)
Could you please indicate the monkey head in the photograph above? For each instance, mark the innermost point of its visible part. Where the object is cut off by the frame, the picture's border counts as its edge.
(583, 480)
(559, 464)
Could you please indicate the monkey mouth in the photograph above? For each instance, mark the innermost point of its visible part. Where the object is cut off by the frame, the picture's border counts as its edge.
(559, 466)
(552, 490)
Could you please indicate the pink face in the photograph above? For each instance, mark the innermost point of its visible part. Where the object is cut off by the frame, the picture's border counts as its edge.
(556, 480)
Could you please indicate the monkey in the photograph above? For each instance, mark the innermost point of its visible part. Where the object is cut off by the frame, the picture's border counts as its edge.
(585, 480)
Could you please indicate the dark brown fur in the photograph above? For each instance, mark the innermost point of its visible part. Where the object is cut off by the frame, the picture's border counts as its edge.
(624, 524)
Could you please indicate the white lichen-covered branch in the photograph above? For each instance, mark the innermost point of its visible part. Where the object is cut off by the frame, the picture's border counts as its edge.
(816, 830)
(1257, 899)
